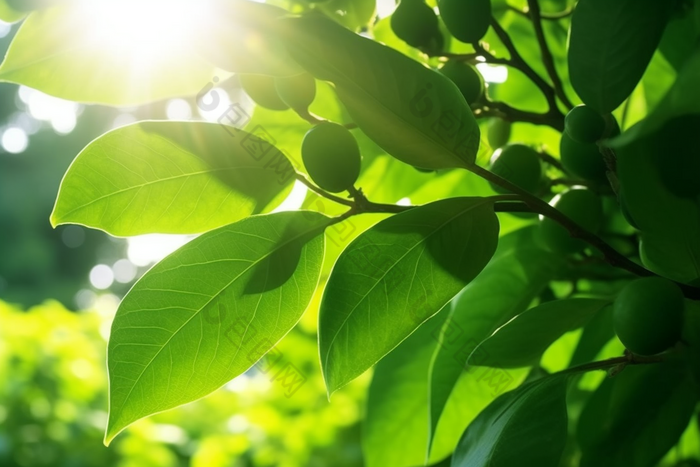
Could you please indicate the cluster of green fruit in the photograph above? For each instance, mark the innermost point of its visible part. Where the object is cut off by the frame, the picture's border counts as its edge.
(282, 93)
(580, 155)
(330, 152)
(418, 25)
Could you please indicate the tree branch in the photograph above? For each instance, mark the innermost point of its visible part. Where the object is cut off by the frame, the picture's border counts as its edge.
(517, 61)
(489, 108)
(547, 57)
(612, 256)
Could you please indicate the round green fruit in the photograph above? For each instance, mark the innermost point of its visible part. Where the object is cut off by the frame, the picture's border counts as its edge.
(582, 159)
(676, 149)
(466, 77)
(298, 92)
(416, 23)
(584, 124)
(467, 20)
(519, 164)
(581, 206)
(331, 156)
(648, 315)
(498, 133)
(262, 90)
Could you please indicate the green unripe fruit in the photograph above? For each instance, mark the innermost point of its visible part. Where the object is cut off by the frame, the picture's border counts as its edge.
(416, 23)
(261, 89)
(676, 149)
(519, 164)
(581, 206)
(467, 20)
(331, 155)
(298, 91)
(648, 315)
(498, 133)
(466, 77)
(584, 124)
(582, 159)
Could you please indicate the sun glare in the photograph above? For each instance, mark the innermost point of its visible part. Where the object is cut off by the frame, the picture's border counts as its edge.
(142, 29)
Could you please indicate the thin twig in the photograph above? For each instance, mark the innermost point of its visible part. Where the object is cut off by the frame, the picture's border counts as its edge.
(325, 194)
(629, 359)
(517, 61)
(548, 16)
(547, 57)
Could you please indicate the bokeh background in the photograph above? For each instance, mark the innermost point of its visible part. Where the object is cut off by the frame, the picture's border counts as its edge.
(59, 290)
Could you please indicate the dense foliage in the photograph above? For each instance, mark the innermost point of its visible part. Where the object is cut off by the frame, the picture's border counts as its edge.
(486, 245)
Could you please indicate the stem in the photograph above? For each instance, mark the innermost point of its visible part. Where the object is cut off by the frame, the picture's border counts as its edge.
(314, 120)
(488, 108)
(547, 58)
(517, 61)
(629, 359)
(325, 194)
(549, 159)
(612, 256)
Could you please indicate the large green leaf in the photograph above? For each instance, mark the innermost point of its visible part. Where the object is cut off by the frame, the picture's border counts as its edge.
(397, 275)
(682, 99)
(669, 225)
(209, 311)
(353, 14)
(171, 177)
(611, 45)
(632, 420)
(414, 113)
(514, 277)
(395, 431)
(524, 427)
(239, 36)
(82, 52)
(522, 341)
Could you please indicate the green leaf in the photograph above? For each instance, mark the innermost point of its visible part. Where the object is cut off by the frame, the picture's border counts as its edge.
(9, 14)
(77, 52)
(171, 177)
(414, 113)
(527, 426)
(239, 36)
(397, 275)
(515, 276)
(669, 225)
(596, 334)
(522, 341)
(682, 99)
(636, 417)
(611, 45)
(209, 311)
(395, 431)
(353, 14)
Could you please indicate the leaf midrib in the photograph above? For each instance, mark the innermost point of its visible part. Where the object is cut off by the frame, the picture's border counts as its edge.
(216, 295)
(364, 297)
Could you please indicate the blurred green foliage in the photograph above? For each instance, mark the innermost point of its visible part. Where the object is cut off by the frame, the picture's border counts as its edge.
(53, 403)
